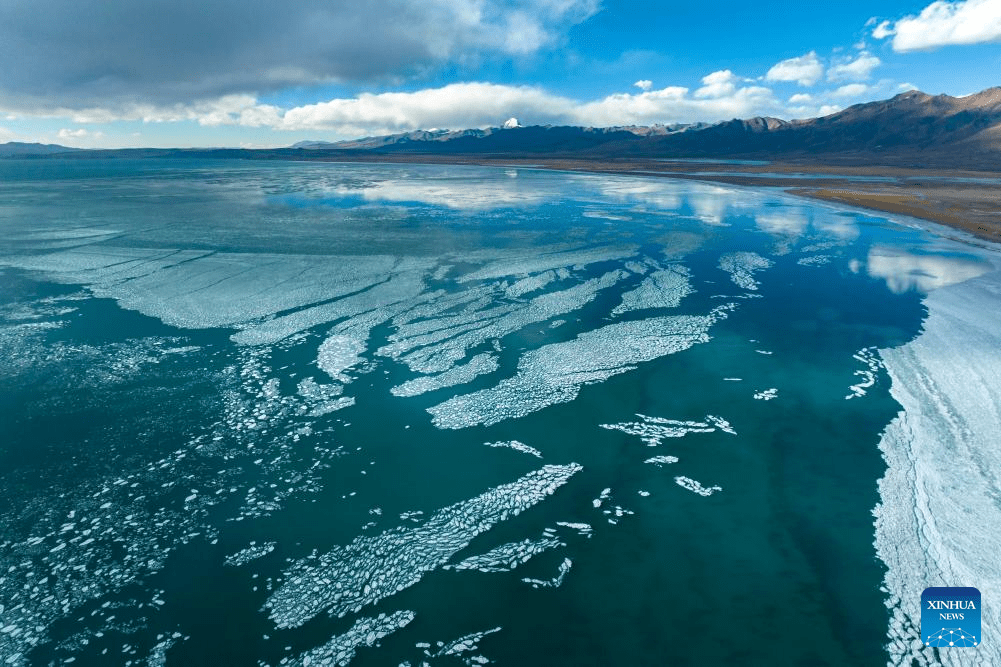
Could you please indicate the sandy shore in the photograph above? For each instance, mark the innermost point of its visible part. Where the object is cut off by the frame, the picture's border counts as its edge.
(966, 200)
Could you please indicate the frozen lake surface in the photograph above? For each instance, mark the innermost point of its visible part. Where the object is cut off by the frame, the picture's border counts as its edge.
(292, 414)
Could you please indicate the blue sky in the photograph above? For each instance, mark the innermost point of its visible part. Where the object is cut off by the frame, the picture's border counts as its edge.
(259, 73)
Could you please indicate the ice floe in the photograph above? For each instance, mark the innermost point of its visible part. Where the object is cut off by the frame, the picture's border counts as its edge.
(539, 262)
(530, 284)
(252, 552)
(662, 460)
(372, 568)
(742, 266)
(341, 649)
(555, 373)
(695, 486)
(439, 349)
(556, 581)
(664, 288)
(506, 557)
(870, 357)
(516, 446)
(766, 394)
(583, 529)
(815, 260)
(653, 430)
(480, 364)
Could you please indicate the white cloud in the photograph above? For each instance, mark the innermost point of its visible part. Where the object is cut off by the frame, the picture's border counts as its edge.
(6, 135)
(882, 31)
(944, 23)
(850, 90)
(806, 70)
(828, 109)
(801, 98)
(644, 84)
(906, 86)
(457, 105)
(859, 69)
(78, 133)
(463, 105)
(717, 84)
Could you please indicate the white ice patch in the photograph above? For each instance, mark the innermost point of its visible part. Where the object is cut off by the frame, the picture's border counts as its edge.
(341, 649)
(252, 552)
(481, 364)
(339, 353)
(198, 289)
(695, 486)
(465, 644)
(661, 289)
(555, 373)
(653, 430)
(371, 568)
(322, 399)
(938, 517)
(398, 290)
(815, 260)
(583, 529)
(516, 446)
(441, 347)
(742, 266)
(537, 263)
(556, 581)
(506, 557)
(870, 357)
(529, 284)
(766, 394)
(660, 461)
(602, 497)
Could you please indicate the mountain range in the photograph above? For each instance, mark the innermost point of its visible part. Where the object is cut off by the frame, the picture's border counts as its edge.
(910, 129)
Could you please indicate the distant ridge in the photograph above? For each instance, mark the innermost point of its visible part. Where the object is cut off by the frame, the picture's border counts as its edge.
(15, 148)
(912, 127)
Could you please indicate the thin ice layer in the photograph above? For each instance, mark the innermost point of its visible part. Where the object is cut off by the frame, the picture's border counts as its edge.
(481, 364)
(365, 632)
(372, 568)
(938, 517)
(653, 430)
(661, 289)
(443, 348)
(742, 266)
(555, 373)
(506, 557)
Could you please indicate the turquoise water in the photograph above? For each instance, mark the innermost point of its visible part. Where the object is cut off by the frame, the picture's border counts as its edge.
(245, 412)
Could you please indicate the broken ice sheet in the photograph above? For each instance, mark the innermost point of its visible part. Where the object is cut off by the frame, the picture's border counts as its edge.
(371, 568)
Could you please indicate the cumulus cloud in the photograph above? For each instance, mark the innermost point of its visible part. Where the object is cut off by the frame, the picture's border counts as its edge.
(859, 69)
(120, 53)
(717, 84)
(66, 133)
(805, 70)
(882, 31)
(644, 84)
(944, 23)
(457, 105)
(483, 104)
(850, 90)
(801, 98)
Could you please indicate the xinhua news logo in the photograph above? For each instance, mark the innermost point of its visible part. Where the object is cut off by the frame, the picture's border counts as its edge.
(950, 617)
